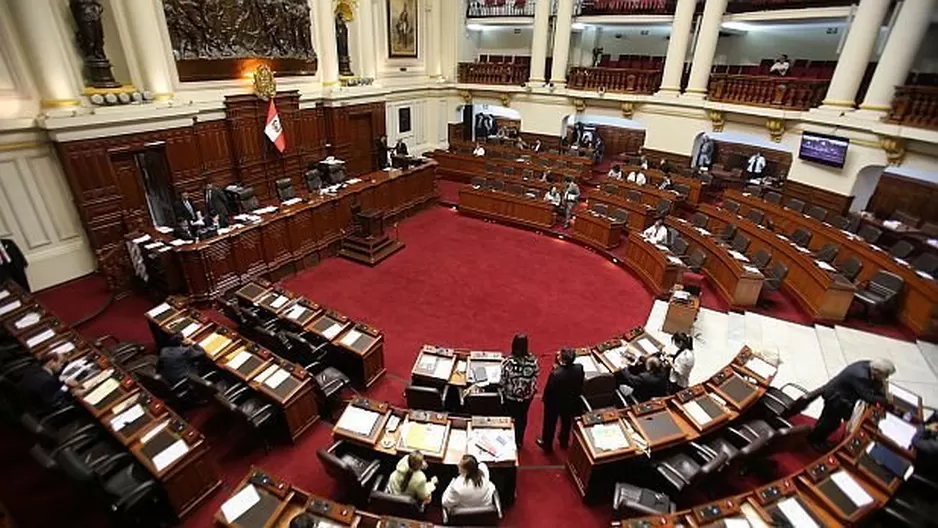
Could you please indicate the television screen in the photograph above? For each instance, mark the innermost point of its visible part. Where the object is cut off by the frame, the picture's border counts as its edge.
(820, 148)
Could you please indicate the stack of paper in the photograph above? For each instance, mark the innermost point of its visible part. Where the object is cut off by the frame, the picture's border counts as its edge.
(456, 446)
(752, 269)
(169, 455)
(64, 348)
(427, 363)
(240, 503)
(191, 329)
(646, 346)
(696, 412)
(350, 338)
(738, 256)
(857, 495)
(296, 311)
(129, 416)
(443, 367)
(897, 430)
(492, 445)
(27, 320)
(291, 201)
(266, 373)
(608, 437)
(617, 357)
(102, 391)
(427, 437)
(760, 367)
(10, 306)
(332, 331)
(825, 266)
(357, 420)
(277, 378)
(279, 302)
(239, 359)
(159, 310)
(40, 338)
(589, 365)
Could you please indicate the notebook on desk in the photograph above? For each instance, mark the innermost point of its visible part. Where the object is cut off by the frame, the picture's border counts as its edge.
(896, 465)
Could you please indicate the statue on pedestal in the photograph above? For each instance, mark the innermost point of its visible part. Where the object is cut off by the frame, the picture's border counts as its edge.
(341, 45)
(90, 37)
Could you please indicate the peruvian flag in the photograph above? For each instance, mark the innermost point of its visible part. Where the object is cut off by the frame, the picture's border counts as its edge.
(273, 129)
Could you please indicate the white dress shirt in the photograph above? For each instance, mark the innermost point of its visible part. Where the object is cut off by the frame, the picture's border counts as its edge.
(683, 363)
(780, 67)
(462, 493)
(656, 234)
(552, 197)
(756, 164)
(614, 174)
(637, 177)
(478, 151)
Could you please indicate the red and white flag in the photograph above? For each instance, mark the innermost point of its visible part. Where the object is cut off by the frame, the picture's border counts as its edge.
(273, 129)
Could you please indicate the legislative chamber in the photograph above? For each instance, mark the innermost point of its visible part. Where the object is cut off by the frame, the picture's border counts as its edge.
(419, 263)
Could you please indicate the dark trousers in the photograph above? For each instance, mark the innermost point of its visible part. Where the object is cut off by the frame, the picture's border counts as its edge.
(835, 411)
(518, 410)
(551, 415)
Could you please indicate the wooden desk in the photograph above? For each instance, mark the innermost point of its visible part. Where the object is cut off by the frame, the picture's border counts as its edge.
(462, 167)
(294, 237)
(658, 268)
(737, 283)
(438, 366)
(505, 207)
(918, 302)
(655, 177)
(597, 231)
(605, 440)
(681, 314)
(650, 193)
(112, 397)
(641, 216)
(288, 386)
(825, 295)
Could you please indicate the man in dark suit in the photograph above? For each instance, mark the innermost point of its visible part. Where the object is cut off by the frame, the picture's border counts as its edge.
(863, 380)
(926, 448)
(400, 148)
(561, 400)
(13, 264)
(178, 361)
(216, 205)
(383, 151)
(185, 209)
(650, 383)
(40, 383)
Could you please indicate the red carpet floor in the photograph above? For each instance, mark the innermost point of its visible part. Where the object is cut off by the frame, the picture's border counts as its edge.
(459, 282)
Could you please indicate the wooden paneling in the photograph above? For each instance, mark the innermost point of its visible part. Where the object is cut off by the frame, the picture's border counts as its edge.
(898, 193)
(215, 152)
(679, 161)
(833, 202)
(618, 140)
(736, 155)
(348, 141)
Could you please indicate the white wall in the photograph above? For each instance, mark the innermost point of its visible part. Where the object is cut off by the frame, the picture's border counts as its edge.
(635, 40)
(428, 120)
(499, 41)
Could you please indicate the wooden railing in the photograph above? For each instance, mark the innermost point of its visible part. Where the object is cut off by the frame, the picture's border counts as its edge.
(625, 7)
(493, 73)
(620, 80)
(500, 8)
(770, 91)
(915, 106)
(743, 6)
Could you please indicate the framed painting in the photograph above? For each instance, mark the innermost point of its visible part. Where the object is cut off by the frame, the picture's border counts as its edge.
(402, 28)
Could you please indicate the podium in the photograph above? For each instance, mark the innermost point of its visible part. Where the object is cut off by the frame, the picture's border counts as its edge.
(371, 244)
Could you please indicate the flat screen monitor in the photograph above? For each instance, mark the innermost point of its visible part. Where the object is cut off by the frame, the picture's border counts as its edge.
(824, 149)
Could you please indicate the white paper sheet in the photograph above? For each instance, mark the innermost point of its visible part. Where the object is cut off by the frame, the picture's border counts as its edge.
(674, 260)
(588, 364)
(851, 489)
(164, 249)
(10, 306)
(897, 430)
(27, 320)
(704, 231)
(153, 245)
(909, 398)
(239, 359)
(493, 373)
(276, 379)
(456, 446)
(357, 420)
(121, 420)
(697, 413)
(153, 432)
(824, 266)
(164, 229)
(279, 302)
(4, 294)
(796, 514)
(715, 397)
(266, 373)
(291, 201)
(40, 338)
(350, 338)
(170, 455)
(752, 269)
(616, 356)
(296, 311)
(177, 242)
(761, 367)
(332, 331)
(921, 274)
(239, 503)
(102, 391)
(443, 368)
(191, 329)
(608, 437)
(736, 522)
(738, 256)
(141, 239)
(646, 346)
(64, 348)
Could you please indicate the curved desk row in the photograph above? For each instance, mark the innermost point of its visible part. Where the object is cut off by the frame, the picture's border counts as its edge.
(822, 292)
(262, 500)
(655, 177)
(919, 300)
(641, 216)
(285, 240)
(597, 231)
(506, 207)
(361, 346)
(650, 193)
(462, 167)
(581, 165)
(172, 450)
(654, 264)
(842, 488)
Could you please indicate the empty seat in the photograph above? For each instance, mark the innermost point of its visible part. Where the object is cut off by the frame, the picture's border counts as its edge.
(870, 233)
(828, 252)
(930, 229)
(620, 215)
(731, 206)
(634, 196)
(353, 473)
(880, 294)
(840, 222)
(600, 391)
(477, 181)
(483, 404)
(774, 277)
(926, 263)
(630, 500)
(740, 242)
(754, 190)
(663, 208)
(682, 189)
(498, 185)
(802, 237)
(755, 216)
(773, 197)
(313, 179)
(850, 268)
(695, 261)
(795, 205)
(788, 400)
(818, 212)
(761, 259)
(679, 247)
(246, 199)
(700, 220)
(599, 208)
(611, 188)
(729, 231)
(686, 470)
(426, 398)
(514, 188)
(901, 249)
(905, 218)
(285, 189)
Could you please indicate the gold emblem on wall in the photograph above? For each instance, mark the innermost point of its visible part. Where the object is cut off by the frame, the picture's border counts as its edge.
(776, 129)
(628, 110)
(347, 8)
(579, 105)
(717, 120)
(466, 96)
(894, 148)
(505, 99)
(265, 86)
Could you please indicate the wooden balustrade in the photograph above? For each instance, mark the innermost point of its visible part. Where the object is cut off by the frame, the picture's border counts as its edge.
(500, 8)
(493, 73)
(621, 80)
(767, 90)
(625, 7)
(915, 106)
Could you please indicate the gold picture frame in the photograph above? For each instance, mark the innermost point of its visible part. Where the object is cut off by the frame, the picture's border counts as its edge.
(402, 28)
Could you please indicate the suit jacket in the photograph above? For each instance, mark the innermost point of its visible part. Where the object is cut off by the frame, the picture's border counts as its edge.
(854, 382)
(45, 387)
(16, 268)
(647, 384)
(175, 363)
(401, 149)
(216, 204)
(564, 387)
(183, 213)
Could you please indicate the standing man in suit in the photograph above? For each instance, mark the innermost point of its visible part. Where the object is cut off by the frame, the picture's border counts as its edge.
(216, 205)
(185, 209)
(571, 195)
(13, 264)
(400, 148)
(383, 153)
(561, 400)
(862, 380)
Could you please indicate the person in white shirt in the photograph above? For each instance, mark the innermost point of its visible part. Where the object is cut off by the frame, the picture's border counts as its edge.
(471, 488)
(666, 183)
(682, 362)
(657, 233)
(755, 165)
(644, 162)
(537, 146)
(781, 65)
(637, 177)
(478, 151)
(553, 196)
(615, 172)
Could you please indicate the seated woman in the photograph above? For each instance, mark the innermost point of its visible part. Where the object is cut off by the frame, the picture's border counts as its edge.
(409, 479)
(471, 488)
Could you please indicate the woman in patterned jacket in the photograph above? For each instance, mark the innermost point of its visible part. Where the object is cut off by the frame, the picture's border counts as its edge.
(519, 383)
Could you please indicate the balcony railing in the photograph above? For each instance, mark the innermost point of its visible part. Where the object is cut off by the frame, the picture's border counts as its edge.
(500, 8)
(769, 91)
(625, 7)
(915, 106)
(619, 80)
(745, 6)
(493, 73)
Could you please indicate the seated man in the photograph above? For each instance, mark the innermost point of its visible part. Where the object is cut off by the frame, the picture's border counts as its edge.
(656, 233)
(400, 148)
(926, 447)
(637, 177)
(177, 361)
(40, 383)
(665, 184)
(650, 383)
(615, 172)
(781, 65)
(478, 151)
(553, 196)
